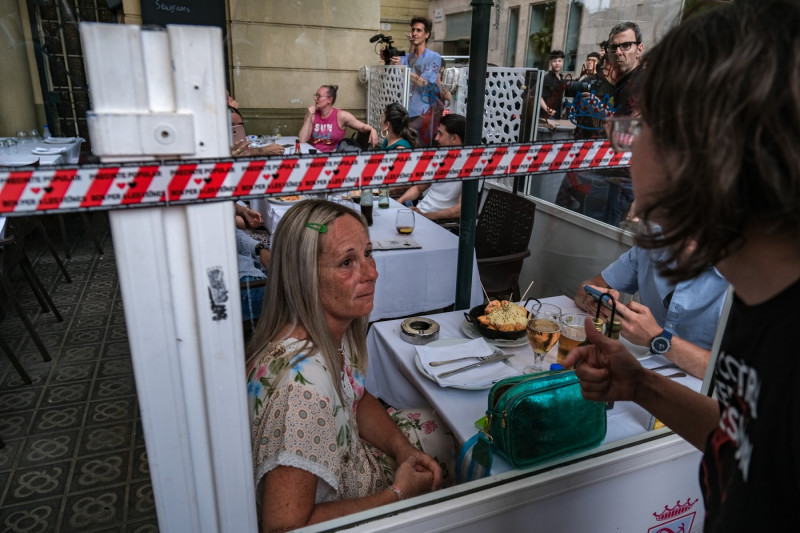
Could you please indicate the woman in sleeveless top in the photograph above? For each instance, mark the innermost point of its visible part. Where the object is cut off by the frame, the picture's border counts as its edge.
(324, 126)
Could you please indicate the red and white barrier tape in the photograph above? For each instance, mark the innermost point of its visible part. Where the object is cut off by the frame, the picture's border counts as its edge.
(167, 183)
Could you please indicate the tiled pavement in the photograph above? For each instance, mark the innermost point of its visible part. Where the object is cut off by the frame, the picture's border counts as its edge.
(74, 458)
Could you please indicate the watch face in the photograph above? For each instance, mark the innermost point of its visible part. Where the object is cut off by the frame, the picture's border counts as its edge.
(660, 345)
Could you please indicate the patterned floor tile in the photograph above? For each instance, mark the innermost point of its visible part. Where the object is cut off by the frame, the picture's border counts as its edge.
(37, 372)
(37, 483)
(72, 372)
(141, 467)
(103, 439)
(39, 517)
(67, 394)
(147, 526)
(20, 400)
(99, 471)
(140, 500)
(93, 308)
(108, 411)
(86, 352)
(85, 336)
(90, 321)
(16, 424)
(118, 366)
(94, 510)
(116, 349)
(43, 449)
(57, 419)
(8, 456)
(114, 387)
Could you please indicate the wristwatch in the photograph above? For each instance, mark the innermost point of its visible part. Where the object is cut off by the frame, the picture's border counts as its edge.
(260, 246)
(661, 343)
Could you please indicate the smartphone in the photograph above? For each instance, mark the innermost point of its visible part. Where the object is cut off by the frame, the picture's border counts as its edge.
(594, 293)
(238, 134)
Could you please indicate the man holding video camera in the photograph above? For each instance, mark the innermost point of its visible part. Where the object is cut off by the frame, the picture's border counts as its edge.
(425, 65)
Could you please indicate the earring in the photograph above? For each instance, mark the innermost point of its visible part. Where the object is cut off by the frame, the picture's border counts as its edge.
(384, 133)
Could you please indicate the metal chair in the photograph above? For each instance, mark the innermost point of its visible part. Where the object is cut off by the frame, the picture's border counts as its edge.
(12, 254)
(502, 235)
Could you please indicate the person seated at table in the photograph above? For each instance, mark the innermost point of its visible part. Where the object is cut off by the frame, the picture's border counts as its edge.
(323, 446)
(324, 126)
(253, 261)
(685, 313)
(394, 127)
(241, 146)
(441, 200)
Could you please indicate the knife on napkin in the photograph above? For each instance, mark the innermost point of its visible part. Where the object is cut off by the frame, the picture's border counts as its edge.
(493, 359)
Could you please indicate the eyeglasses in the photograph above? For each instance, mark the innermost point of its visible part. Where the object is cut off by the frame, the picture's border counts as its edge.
(622, 132)
(612, 48)
(317, 96)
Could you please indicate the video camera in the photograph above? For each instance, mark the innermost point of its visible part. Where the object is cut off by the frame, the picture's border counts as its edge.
(388, 51)
(581, 86)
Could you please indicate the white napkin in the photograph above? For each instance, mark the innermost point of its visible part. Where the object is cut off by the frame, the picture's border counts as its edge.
(482, 376)
(39, 150)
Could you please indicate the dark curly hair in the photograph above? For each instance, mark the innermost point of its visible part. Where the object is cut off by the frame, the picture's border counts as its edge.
(725, 126)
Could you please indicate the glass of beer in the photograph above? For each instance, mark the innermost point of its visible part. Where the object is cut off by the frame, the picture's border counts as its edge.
(404, 221)
(573, 333)
(544, 329)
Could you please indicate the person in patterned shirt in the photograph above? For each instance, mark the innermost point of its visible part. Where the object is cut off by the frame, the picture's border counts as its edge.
(323, 446)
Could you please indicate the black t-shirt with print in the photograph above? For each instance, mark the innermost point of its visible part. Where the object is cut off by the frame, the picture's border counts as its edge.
(750, 473)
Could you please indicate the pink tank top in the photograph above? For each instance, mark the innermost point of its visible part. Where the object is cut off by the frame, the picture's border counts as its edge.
(327, 134)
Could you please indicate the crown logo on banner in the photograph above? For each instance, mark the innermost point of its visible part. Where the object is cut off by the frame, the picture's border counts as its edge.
(590, 111)
(679, 509)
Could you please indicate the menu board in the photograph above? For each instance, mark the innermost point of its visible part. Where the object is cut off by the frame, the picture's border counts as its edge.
(194, 12)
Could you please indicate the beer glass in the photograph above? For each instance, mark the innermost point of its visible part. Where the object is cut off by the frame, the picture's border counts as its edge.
(573, 332)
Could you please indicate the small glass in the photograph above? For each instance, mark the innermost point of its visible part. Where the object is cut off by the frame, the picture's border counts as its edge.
(544, 329)
(404, 221)
(383, 198)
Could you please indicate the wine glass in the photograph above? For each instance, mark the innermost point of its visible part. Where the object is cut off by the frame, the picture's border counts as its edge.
(404, 221)
(544, 329)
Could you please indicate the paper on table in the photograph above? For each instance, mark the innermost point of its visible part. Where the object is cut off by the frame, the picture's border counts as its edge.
(477, 377)
(397, 243)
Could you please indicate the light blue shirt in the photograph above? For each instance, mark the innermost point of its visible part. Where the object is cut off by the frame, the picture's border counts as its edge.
(696, 304)
(427, 65)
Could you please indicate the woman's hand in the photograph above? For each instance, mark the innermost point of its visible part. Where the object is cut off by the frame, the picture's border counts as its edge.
(413, 478)
(607, 371)
(423, 461)
(273, 149)
(253, 217)
(241, 149)
(373, 137)
(310, 111)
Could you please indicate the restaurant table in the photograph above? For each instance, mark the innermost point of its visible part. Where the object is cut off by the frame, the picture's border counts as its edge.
(56, 151)
(409, 281)
(393, 376)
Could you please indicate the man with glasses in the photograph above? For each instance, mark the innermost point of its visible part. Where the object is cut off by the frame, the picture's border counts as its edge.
(424, 64)
(624, 50)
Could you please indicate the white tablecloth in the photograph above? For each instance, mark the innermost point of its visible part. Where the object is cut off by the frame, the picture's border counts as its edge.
(409, 281)
(393, 376)
(22, 152)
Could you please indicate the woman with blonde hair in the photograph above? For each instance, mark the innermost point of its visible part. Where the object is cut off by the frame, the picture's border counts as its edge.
(323, 446)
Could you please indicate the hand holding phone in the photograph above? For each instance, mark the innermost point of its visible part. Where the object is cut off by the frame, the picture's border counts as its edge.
(598, 297)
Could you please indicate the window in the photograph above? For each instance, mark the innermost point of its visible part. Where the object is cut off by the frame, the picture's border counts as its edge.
(573, 33)
(540, 34)
(513, 31)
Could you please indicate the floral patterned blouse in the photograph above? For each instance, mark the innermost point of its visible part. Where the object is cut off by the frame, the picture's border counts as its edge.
(298, 420)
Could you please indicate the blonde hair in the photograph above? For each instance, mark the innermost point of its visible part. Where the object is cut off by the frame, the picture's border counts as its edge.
(292, 297)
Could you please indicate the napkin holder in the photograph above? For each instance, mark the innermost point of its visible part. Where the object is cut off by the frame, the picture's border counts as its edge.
(419, 330)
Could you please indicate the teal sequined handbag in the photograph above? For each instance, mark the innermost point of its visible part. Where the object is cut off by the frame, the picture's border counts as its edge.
(531, 419)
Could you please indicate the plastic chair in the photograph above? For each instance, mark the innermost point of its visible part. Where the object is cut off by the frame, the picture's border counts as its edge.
(502, 235)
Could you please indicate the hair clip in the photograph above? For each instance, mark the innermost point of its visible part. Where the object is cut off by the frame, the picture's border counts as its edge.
(322, 228)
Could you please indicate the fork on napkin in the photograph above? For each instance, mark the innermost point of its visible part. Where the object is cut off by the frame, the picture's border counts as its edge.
(482, 376)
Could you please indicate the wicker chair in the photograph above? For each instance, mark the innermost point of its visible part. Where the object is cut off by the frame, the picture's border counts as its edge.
(502, 235)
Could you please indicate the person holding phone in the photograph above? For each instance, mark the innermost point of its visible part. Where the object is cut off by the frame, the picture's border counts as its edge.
(678, 321)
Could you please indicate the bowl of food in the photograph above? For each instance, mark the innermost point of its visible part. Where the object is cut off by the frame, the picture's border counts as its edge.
(500, 319)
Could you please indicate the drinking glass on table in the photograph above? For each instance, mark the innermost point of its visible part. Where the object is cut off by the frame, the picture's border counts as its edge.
(404, 221)
(573, 332)
(544, 329)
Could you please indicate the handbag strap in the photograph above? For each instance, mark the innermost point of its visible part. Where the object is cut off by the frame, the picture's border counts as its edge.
(480, 443)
